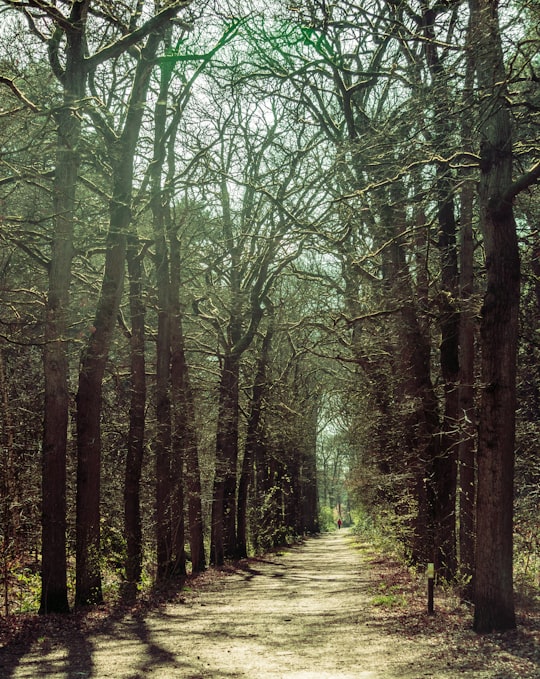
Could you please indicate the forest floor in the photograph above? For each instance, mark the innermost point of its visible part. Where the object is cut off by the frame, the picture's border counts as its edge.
(329, 608)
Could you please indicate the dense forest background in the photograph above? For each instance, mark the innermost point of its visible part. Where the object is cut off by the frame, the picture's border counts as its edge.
(264, 265)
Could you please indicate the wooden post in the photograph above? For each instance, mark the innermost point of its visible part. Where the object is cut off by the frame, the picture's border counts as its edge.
(431, 586)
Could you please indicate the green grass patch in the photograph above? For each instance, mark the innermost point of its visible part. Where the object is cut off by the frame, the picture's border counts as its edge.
(389, 596)
(389, 600)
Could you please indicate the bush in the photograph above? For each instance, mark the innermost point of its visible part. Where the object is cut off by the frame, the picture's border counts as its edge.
(326, 519)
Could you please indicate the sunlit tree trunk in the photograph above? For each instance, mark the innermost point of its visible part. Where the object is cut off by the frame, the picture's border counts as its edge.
(253, 441)
(94, 359)
(55, 361)
(184, 415)
(163, 439)
(135, 446)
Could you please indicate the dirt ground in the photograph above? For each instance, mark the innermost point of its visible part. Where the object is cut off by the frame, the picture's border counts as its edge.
(310, 612)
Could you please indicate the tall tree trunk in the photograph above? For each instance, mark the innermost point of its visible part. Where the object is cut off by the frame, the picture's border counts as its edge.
(445, 464)
(467, 410)
(184, 414)
(163, 418)
(94, 359)
(178, 563)
(253, 441)
(163, 450)
(494, 602)
(223, 533)
(185, 449)
(413, 356)
(88, 572)
(135, 447)
(310, 505)
(183, 440)
(467, 422)
(55, 362)
(165, 483)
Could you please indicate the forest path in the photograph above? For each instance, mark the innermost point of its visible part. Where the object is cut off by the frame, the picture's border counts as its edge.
(306, 613)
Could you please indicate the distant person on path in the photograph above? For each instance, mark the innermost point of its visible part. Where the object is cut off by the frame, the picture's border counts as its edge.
(339, 523)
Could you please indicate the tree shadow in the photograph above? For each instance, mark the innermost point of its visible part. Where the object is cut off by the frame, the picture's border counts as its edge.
(59, 644)
(43, 637)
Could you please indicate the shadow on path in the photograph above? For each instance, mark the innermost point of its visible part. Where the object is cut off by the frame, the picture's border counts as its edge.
(304, 613)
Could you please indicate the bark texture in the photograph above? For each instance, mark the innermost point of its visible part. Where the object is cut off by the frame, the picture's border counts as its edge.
(55, 360)
(494, 602)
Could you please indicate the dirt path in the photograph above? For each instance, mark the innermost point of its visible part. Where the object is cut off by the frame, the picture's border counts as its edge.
(303, 614)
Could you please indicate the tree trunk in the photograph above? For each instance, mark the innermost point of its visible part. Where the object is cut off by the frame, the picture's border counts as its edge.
(88, 575)
(310, 504)
(135, 447)
(494, 603)
(445, 464)
(467, 410)
(413, 356)
(185, 446)
(163, 419)
(467, 422)
(223, 534)
(184, 442)
(167, 527)
(253, 438)
(243, 492)
(92, 369)
(55, 362)
(178, 563)
(184, 409)
(422, 428)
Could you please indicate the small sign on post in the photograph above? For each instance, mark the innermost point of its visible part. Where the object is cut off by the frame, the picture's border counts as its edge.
(431, 585)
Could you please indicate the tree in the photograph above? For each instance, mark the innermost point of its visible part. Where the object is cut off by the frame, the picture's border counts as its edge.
(69, 61)
(94, 358)
(467, 418)
(135, 445)
(254, 434)
(260, 206)
(351, 106)
(445, 464)
(493, 596)
(176, 441)
(55, 366)
(285, 490)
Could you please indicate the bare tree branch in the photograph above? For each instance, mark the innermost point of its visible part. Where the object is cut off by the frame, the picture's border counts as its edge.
(20, 95)
(522, 183)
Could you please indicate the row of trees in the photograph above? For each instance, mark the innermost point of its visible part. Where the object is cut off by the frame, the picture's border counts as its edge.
(233, 247)
(236, 223)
